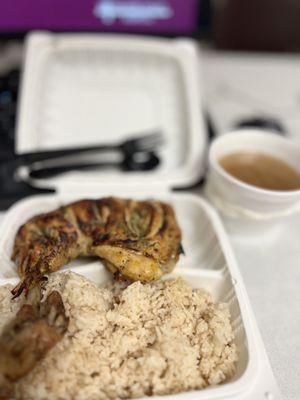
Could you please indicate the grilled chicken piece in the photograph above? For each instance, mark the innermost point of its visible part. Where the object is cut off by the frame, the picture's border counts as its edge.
(27, 339)
(6, 389)
(139, 239)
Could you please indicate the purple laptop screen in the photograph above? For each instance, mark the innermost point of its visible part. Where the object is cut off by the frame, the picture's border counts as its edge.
(148, 16)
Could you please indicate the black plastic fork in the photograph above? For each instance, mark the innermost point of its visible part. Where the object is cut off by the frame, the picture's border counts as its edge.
(13, 188)
(148, 142)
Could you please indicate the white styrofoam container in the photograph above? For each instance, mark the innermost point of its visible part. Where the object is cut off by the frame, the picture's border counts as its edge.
(84, 89)
(48, 118)
(208, 263)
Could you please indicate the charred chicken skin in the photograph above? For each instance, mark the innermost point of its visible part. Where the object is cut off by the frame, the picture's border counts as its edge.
(140, 240)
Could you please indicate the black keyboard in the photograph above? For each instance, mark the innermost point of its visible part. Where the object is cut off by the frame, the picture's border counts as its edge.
(11, 189)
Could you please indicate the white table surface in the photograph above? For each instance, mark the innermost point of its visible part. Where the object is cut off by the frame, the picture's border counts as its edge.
(241, 85)
(270, 265)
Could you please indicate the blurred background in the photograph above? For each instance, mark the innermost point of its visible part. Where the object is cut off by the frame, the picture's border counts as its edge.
(266, 28)
(257, 25)
(249, 59)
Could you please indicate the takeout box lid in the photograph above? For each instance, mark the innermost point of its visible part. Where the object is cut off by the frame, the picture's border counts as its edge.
(80, 89)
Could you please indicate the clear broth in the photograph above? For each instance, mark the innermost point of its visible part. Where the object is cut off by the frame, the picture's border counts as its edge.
(261, 170)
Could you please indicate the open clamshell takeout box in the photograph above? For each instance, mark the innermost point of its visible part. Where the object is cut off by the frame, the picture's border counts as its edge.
(80, 89)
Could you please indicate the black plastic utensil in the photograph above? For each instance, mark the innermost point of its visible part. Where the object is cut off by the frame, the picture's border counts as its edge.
(12, 189)
(143, 142)
(140, 161)
(137, 154)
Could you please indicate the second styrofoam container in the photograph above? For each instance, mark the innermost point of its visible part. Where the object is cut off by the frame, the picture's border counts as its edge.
(80, 90)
